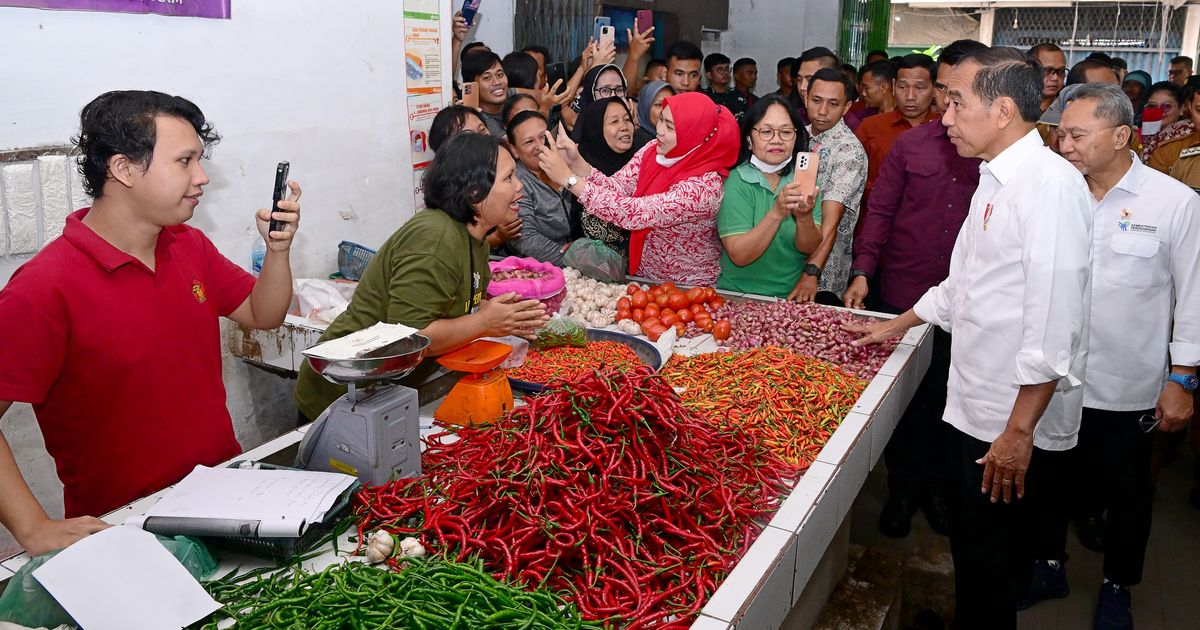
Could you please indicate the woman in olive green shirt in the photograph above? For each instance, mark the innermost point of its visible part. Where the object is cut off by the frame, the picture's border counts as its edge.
(432, 273)
(767, 224)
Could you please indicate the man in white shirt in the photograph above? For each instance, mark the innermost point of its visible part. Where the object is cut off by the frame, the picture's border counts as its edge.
(1016, 302)
(1145, 312)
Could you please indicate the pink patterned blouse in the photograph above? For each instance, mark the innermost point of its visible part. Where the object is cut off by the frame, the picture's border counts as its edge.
(682, 245)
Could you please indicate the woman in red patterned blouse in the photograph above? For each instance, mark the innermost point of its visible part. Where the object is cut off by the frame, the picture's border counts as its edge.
(668, 194)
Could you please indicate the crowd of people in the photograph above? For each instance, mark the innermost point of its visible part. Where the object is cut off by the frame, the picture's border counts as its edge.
(1042, 218)
(1040, 215)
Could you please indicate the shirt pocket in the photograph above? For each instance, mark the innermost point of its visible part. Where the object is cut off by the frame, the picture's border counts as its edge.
(1135, 261)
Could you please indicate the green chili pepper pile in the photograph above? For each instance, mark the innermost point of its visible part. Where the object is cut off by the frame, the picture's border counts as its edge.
(793, 403)
(426, 594)
(605, 489)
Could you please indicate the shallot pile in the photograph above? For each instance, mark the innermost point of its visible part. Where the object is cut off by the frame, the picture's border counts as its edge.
(807, 329)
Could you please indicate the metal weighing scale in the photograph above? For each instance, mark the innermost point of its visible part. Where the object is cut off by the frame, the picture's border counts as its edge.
(374, 431)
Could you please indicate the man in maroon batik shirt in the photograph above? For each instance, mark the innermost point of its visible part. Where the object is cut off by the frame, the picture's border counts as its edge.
(918, 205)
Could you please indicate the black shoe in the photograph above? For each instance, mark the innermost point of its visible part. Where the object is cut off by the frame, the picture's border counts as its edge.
(937, 513)
(1114, 610)
(1048, 583)
(1092, 529)
(896, 518)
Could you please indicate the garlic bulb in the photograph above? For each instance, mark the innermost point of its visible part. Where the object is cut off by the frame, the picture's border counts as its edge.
(411, 548)
(380, 546)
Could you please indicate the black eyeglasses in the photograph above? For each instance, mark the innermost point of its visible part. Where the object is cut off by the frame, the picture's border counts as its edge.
(1062, 72)
(1148, 423)
(606, 92)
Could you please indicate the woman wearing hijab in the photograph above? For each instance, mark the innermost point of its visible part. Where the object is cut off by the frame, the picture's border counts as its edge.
(600, 82)
(649, 108)
(669, 193)
(606, 143)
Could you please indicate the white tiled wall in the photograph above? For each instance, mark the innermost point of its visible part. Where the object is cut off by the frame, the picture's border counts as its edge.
(35, 198)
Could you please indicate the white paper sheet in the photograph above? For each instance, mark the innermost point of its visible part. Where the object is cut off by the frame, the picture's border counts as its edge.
(275, 497)
(124, 579)
(360, 343)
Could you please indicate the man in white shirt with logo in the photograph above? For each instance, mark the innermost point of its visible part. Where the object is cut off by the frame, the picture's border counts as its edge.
(1145, 338)
(1016, 302)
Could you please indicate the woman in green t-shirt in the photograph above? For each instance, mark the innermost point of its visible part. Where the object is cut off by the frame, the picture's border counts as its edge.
(768, 225)
(432, 273)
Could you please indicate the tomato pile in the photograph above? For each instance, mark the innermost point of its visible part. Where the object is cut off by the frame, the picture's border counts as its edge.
(664, 306)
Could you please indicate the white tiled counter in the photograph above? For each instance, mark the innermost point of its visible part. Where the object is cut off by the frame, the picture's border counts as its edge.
(775, 573)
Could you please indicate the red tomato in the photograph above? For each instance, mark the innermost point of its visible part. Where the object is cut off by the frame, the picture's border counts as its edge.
(677, 300)
(685, 315)
(624, 303)
(661, 299)
(697, 309)
(668, 318)
(623, 313)
(652, 310)
(680, 329)
(667, 287)
(696, 295)
(653, 292)
(632, 288)
(709, 293)
(721, 330)
(649, 322)
(716, 302)
(705, 324)
(639, 299)
(638, 315)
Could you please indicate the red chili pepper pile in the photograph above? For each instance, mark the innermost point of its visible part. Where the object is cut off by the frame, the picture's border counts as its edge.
(606, 490)
(568, 362)
(791, 402)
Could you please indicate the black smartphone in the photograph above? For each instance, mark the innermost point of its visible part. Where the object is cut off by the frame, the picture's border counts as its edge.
(279, 194)
(557, 72)
(469, 9)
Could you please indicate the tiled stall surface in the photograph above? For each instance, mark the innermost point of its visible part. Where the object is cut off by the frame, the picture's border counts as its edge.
(769, 580)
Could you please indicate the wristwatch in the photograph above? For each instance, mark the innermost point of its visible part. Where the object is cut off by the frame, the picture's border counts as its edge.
(854, 273)
(572, 180)
(812, 270)
(1188, 382)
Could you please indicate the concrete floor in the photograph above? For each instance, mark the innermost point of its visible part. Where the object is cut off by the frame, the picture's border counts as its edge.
(1167, 599)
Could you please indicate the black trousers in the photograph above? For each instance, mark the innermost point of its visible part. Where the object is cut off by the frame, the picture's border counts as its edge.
(914, 453)
(994, 544)
(1112, 474)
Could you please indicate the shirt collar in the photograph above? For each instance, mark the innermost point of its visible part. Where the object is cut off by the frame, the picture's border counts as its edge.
(104, 253)
(752, 175)
(1011, 160)
(828, 133)
(1133, 179)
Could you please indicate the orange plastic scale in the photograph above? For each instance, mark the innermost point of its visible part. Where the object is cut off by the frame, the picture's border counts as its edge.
(483, 395)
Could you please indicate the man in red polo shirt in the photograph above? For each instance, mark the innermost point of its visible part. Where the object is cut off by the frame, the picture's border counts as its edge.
(913, 90)
(111, 331)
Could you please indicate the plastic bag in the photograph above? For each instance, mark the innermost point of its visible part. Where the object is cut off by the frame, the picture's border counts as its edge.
(529, 278)
(26, 602)
(561, 331)
(520, 349)
(595, 260)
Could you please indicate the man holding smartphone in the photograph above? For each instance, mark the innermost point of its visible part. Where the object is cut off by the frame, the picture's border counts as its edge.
(113, 328)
